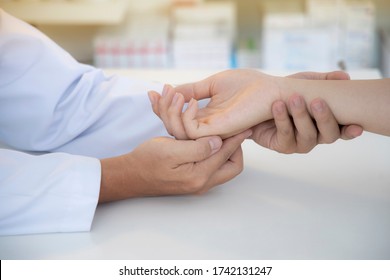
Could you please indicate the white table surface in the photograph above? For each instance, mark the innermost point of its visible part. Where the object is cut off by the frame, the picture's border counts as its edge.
(333, 203)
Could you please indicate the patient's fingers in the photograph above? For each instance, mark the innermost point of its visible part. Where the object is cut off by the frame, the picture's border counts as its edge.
(190, 121)
(168, 108)
(154, 98)
(174, 115)
(163, 105)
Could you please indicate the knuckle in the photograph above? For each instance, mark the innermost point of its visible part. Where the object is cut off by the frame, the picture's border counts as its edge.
(239, 169)
(286, 150)
(171, 112)
(286, 130)
(309, 136)
(226, 154)
(203, 150)
(323, 117)
(191, 133)
(305, 149)
(195, 184)
(327, 140)
(202, 191)
(170, 132)
(299, 113)
(306, 144)
(200, 182)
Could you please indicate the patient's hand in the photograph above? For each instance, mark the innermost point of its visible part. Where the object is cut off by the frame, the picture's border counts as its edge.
(239, 99)
(298, 134)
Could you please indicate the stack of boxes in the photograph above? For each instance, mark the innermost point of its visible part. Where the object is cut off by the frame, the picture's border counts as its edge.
(191, 35)
(142, 43)
(203, 36)
(324, 36)
(358, 26)
(329, 33)
(288, 44)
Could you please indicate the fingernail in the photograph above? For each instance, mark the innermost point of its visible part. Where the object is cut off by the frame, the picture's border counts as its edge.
(347, 76)
(165, 90)
(297, 101)
(279, 107)
(318, 106)
(175, 98)
(191, 103)
(215, 144)
(151, 97)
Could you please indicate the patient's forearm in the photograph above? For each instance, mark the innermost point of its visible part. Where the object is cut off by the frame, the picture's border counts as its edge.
(362, 102)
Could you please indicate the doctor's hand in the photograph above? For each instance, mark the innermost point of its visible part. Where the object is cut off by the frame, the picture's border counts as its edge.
(165, 166)
(302, 132)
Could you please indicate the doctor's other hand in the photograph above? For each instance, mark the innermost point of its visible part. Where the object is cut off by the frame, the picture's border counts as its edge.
(301, 132)
(298, 134)
(165, 166)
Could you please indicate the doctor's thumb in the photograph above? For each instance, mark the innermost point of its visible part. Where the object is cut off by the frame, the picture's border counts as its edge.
(215, 143)
(204, 147)
(197, 150)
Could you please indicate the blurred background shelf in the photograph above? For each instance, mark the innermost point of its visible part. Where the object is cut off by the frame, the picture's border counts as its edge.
(67, 12)
(292, 35)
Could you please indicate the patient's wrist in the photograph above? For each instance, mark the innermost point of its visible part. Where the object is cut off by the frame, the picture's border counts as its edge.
(288, 87)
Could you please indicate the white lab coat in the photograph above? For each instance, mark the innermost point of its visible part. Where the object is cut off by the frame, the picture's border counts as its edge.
(70, 113)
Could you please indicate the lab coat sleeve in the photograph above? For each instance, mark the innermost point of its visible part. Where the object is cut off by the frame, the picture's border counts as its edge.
(49, 102)
(54, 192)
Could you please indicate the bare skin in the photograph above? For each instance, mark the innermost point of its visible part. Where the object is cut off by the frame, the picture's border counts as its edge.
(165, 166)
(276, 131)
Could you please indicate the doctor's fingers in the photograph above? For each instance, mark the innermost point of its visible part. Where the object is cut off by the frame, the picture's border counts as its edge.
(352, 131)
(305, 130)
(232, 167)
(328, 128)
(223, 166)
(285, 141)
(184, 152)
(207, 152)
